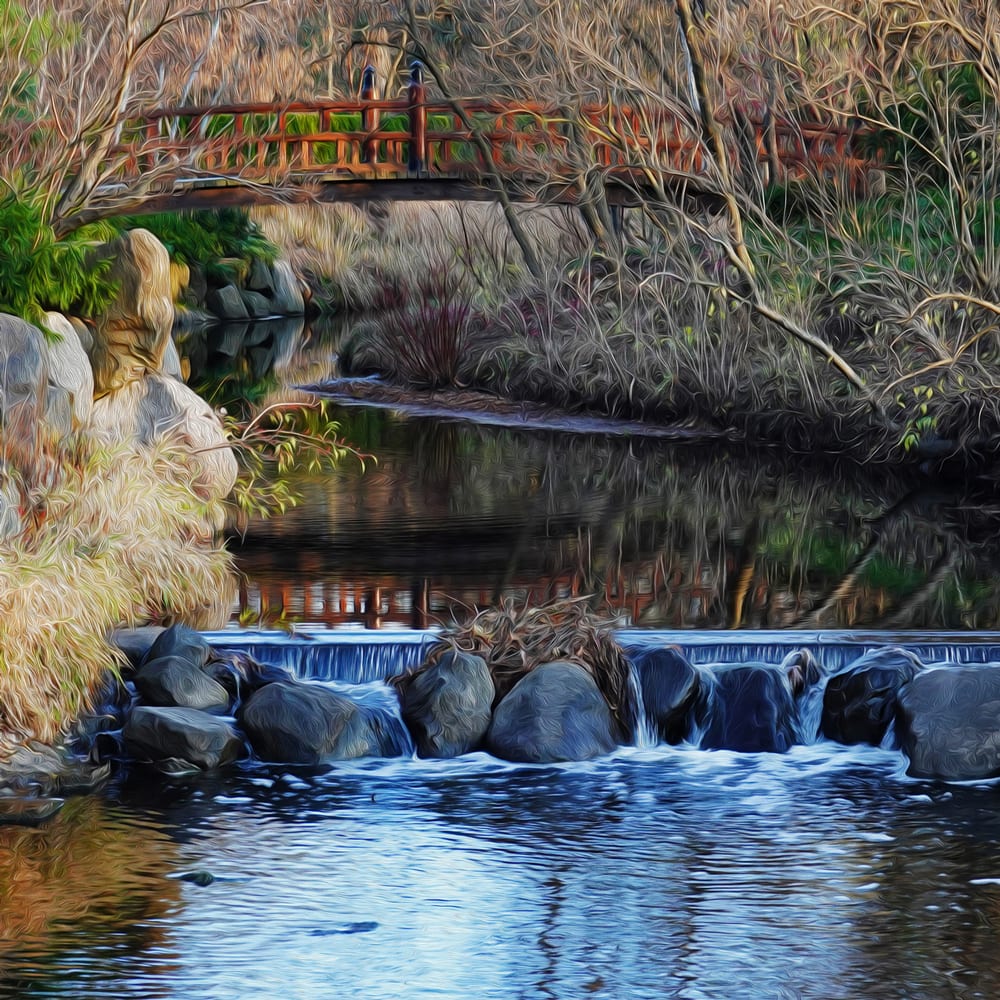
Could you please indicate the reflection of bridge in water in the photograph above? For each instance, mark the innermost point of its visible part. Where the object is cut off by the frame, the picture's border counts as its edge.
(420, 149)
(660, 591)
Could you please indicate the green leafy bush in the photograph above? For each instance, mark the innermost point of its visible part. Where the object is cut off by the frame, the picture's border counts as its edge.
(39, 271)
(202, 238)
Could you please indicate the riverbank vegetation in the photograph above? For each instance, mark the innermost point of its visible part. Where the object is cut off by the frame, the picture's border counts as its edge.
(811, 293)
(110, 538)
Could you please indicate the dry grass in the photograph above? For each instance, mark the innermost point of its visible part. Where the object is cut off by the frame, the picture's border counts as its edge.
(120, 537)
(514, 639)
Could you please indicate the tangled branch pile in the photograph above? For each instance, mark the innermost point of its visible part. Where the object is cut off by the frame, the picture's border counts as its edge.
(514, 639)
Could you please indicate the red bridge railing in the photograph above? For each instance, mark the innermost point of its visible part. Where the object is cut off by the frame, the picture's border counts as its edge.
(373, 139)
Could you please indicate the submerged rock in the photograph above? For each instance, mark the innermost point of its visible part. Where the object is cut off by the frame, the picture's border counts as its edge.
(554, 713)
(447, 707)
(672, 692)
(296, 723)
(751, 710)
(185, 733)
(860, 702)
(50, 771)
(948, 723)
(174, 680)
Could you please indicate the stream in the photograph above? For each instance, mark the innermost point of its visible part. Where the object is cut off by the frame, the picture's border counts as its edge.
(824, 872)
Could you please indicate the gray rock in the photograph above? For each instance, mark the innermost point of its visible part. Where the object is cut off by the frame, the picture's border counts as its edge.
(261, 278)
(291, 722)
(751, 710)
(555, 713)
(49, 771)
(58, 410)
(130, 338)
(85, 335)
(69, 366)
(257, 306)
(672, 692)
(136, 642)
(447, 707)
(172, 680)
(860, 702)
(24, 377)
(161, 733)
(157, 408)
(27, 810)
(179, 640)
(11, 523)
(948, 722)
(286, 297)
(227, 303)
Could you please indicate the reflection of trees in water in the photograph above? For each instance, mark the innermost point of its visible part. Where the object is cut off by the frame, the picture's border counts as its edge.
(87, 871)
(676, 536)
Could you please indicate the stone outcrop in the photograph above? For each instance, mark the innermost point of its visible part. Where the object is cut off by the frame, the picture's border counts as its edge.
(555, 713)
(672, 690)
(176, 681)
(181, 734)
(158, 408)
(447, 707)
(69, 366)
(131, 336)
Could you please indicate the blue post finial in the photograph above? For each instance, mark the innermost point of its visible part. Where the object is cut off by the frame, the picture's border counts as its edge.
(416, 72)
(368, 78)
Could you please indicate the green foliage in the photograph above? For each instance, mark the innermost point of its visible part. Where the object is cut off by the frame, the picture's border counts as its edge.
(202, 238)
(39, 272)
(283, 438)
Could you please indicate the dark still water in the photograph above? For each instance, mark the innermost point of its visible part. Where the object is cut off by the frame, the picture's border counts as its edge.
(654, 873)
(454, 515)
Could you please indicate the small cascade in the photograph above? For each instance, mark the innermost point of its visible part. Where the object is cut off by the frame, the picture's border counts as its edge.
(348, 658)
(381, 703)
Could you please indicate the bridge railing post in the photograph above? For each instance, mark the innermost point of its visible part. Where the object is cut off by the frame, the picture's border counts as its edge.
(416, 97)
(369, 116)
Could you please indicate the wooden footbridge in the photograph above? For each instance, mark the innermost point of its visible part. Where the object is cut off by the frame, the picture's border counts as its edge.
(419, 149)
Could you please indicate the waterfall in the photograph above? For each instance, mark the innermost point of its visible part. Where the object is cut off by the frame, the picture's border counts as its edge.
(346, 657)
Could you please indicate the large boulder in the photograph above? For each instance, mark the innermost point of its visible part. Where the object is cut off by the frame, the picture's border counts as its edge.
(672, 692)
(447, 707)
(179, 640)
(948, 723)
(157, 408)
(69, 366)
(751, 710)
(554, 713)
(175, 681)
(292, 722)
(135, 643)
(180, 733)
(131, 336)
(859, 703)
